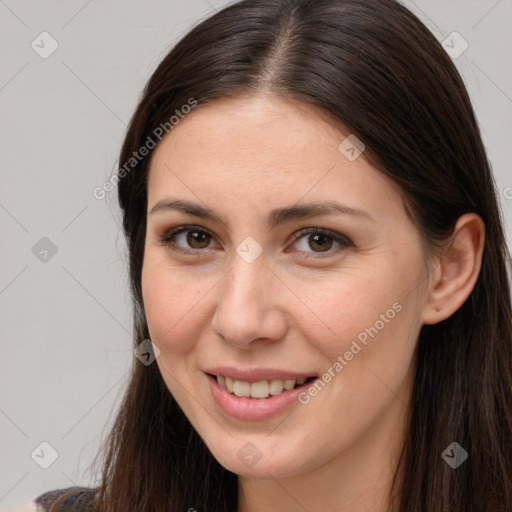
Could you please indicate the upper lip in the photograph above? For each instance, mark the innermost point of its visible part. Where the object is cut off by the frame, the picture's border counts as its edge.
(256, 374)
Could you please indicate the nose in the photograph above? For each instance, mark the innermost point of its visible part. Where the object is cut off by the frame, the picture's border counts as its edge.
(250, 305)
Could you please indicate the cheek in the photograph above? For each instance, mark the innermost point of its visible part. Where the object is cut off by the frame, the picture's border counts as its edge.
(172, 306)
(352, 307)
(174, 315)
(368, 359)
(371, 320)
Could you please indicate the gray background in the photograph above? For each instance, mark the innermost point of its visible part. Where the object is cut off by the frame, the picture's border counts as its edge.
(65, 322)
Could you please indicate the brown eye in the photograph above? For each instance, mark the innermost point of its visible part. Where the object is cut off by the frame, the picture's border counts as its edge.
(311, 241)
(198, 239)
(187, 240)
(321, 242)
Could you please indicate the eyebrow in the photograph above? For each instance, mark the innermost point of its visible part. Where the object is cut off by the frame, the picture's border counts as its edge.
(276, 217)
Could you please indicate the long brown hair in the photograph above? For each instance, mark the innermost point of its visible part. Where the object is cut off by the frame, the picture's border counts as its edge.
(375, 69)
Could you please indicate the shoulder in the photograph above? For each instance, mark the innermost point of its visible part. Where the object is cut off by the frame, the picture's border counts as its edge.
(69, 497)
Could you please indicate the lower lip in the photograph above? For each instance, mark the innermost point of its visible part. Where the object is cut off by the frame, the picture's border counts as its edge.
(254, 409)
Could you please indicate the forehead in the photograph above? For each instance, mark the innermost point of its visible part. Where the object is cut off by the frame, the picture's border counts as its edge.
(264, 149)
(265, 124)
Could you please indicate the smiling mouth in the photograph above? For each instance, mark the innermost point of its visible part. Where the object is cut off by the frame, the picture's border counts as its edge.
(261, 389)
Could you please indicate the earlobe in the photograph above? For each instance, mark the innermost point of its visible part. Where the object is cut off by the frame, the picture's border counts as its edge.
(458, 271)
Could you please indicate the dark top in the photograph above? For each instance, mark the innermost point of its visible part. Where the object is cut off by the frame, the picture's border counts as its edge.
(74, 496)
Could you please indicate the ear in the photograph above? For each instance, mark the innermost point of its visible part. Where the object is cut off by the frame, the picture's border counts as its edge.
(456, 270)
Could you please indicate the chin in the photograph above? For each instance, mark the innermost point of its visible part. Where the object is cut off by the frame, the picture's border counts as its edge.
(257, 459)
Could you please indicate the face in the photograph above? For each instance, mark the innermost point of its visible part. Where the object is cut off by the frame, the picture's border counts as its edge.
(291, 258)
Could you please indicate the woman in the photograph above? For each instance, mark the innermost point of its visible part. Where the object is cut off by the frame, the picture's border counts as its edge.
(318, 258)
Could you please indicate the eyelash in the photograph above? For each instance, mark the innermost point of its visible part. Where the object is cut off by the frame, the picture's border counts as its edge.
(167, 239)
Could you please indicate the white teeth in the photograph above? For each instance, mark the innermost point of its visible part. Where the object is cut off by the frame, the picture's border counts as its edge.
(289, 384)
(261, 389)
(276, 386)
(241, 388)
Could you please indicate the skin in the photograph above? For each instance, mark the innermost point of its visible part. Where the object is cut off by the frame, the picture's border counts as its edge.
(300, 304)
